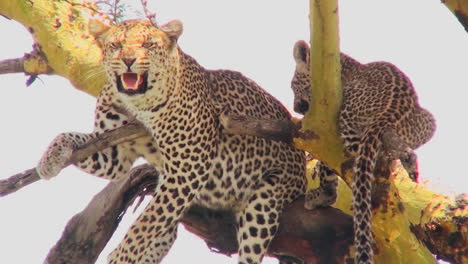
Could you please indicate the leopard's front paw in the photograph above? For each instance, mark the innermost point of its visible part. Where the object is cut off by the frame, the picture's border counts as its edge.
(56, 156)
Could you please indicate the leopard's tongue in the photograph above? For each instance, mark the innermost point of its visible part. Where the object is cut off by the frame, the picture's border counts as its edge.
(131, 81)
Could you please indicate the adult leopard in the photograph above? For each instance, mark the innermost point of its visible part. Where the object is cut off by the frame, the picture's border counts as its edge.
(178, 101)
(376, 96)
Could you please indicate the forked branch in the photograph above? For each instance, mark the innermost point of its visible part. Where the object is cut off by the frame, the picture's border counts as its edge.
(128, 132)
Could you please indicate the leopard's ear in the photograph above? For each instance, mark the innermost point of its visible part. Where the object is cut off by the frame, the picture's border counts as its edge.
(97, 29)
(301, 52)
(173, 29)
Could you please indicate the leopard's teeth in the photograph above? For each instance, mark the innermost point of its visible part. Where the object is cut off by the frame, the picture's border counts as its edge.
(131, 81)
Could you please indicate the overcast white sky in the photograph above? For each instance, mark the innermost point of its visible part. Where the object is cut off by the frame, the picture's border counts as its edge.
(255, 37)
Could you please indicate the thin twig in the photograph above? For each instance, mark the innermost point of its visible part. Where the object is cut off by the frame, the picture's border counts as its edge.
(12, 65)
(17, 65)
(148, 14)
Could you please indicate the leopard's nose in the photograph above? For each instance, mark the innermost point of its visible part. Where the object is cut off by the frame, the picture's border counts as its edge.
(129, 61)
(301, 107)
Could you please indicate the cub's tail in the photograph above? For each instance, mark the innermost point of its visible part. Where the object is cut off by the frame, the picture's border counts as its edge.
(367, 154)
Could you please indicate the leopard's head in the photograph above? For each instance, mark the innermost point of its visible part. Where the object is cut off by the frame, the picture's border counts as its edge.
(140, 58)
(300, 83)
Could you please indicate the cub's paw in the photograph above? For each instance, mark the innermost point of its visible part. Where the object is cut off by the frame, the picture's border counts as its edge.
(319, 198)
(409, 160)
(56, 156)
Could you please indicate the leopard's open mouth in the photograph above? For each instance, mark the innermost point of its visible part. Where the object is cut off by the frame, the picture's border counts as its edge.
(132, 83)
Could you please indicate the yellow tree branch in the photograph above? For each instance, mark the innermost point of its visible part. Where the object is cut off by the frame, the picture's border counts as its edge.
(12, 66)
(320, 128)
(413, 220)
(460, 9)
(60, 28)
(33, 63)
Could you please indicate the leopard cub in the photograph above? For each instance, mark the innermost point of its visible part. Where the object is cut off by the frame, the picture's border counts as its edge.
(376, 96)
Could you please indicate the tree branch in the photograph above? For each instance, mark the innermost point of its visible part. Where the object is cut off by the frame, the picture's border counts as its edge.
(71, 54)
(460, 9)
(128, 132)
(87, 233)
(280, 130)
(33, 63)
(12, 66)
(320, 134)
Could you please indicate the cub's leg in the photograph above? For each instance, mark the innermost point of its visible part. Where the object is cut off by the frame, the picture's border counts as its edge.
(325, 194)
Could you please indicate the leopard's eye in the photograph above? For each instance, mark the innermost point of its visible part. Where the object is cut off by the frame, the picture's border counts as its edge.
(115, 45)
(148, 45)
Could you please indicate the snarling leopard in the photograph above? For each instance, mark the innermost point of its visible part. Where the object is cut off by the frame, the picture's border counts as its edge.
(150, 79)
(376, 96)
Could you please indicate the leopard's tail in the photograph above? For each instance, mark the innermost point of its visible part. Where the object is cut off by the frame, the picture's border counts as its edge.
(362, 185)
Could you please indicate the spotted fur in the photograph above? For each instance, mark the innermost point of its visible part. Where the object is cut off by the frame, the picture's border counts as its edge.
(179, 102)
(376, 96)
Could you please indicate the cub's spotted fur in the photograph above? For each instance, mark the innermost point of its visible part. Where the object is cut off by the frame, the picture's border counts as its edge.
(178, 101)
(376, 96)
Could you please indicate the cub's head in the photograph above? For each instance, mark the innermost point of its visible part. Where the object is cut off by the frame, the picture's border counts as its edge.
(137, 55)
(301, 81)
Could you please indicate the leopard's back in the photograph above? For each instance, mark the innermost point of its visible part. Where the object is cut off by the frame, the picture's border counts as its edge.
(233, 92)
